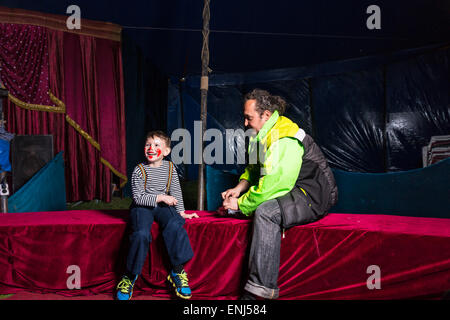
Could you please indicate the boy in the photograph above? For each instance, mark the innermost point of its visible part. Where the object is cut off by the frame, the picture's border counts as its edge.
(157, 196)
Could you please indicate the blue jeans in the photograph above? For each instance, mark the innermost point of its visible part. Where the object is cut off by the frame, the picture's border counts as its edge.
(264, 259)
(171, 225)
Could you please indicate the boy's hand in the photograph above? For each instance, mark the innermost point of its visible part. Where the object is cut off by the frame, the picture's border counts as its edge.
(169, 200)
(231, 203)
(188, 216)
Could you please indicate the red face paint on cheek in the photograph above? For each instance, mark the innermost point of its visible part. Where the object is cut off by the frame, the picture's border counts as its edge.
(158, 152)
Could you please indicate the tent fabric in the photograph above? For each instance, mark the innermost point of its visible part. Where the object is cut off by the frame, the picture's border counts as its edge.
(422, 192)
(417, 107)
(373, 118)
(349, 119)
(45, 191)
(353, 109)
(145, 91)
(257, 35)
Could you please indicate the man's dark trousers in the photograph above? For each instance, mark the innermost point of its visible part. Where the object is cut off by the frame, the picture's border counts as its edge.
(171, 225)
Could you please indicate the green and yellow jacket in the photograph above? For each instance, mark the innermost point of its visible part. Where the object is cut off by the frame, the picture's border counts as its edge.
(282, 156)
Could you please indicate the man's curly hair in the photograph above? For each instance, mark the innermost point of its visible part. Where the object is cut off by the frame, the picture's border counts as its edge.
(266, 101)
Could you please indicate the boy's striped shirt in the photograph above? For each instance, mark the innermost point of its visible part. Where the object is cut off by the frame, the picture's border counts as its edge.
(148, 182)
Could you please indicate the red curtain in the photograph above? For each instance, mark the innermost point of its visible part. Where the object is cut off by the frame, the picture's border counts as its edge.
(68, 85)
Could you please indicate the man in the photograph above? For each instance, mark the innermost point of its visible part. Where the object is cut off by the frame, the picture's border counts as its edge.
(291, 184)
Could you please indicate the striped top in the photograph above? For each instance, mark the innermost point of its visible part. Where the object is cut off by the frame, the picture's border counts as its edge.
(148, 182)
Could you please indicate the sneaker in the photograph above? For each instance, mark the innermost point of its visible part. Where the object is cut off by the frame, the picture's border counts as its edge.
(125, 288)
(180, 283)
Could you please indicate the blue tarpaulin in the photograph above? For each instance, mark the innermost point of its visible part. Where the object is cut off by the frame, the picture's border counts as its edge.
(368, 115)
(371, 114)
(45, 191)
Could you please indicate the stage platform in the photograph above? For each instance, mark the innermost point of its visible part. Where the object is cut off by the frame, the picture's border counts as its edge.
(334, 258)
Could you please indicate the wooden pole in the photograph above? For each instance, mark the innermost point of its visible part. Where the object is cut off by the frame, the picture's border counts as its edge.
(203, 103)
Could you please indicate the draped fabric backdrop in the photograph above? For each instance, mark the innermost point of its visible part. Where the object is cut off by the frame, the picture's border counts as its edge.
(68, 84)
(146, 100)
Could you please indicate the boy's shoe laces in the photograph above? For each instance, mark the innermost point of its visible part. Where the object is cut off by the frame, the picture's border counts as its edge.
(125, 285)
(184, 279)
(181, 284)
(125, 288)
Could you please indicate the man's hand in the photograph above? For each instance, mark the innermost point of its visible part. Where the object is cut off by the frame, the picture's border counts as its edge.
(231, 203)
(169, 200)
(233, 192)
(188, 216)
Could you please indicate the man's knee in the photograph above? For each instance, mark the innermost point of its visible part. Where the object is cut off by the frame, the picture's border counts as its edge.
(268, 211)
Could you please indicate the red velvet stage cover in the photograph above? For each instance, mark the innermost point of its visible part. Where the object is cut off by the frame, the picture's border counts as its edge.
(338, 257)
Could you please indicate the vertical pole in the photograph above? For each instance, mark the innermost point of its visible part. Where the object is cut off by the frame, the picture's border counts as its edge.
(204, 95)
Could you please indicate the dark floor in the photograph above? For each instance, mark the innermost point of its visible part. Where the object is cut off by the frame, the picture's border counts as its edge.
(52, 296)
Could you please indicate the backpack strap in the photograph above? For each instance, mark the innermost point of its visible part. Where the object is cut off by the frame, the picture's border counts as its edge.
(144, 174)
(169, 179)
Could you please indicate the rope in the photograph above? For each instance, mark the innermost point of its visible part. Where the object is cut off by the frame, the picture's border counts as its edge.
(277, 34)
(205, 32)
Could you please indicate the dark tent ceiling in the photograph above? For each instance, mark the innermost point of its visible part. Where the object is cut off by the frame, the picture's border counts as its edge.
(260, 34)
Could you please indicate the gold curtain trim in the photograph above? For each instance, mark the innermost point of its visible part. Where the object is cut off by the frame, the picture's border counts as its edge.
(96, 145)
(60, 106)
(56, 101)
(98, 29)
(117, 173)
(85, 135)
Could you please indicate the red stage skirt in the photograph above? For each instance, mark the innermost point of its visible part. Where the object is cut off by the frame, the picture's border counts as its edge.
(337, 257)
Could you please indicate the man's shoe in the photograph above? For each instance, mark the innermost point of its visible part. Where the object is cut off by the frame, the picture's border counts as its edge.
(125, 288)
(248, 296)
(180, 283)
